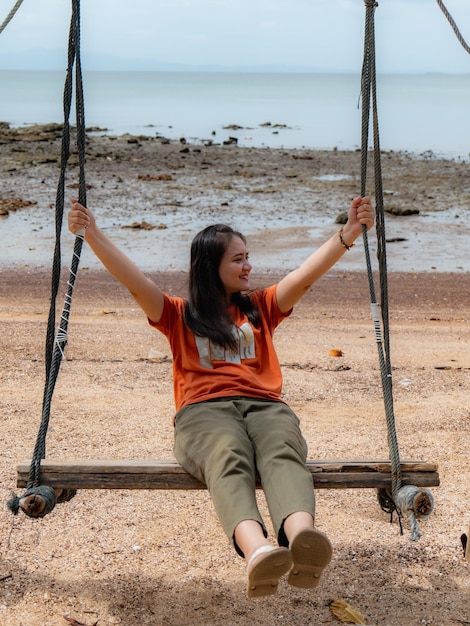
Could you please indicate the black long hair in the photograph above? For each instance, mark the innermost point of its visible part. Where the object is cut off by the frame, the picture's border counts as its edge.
(206, 313)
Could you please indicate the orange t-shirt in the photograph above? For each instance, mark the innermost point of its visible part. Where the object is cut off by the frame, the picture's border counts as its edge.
(203, 371)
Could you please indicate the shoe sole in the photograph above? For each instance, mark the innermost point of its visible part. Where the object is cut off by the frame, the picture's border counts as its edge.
(264, 576)
(311, 552)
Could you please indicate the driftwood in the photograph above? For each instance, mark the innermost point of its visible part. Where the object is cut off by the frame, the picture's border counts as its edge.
(153, 474)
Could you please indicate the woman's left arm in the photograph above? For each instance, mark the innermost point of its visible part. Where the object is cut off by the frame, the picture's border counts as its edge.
(293, 286)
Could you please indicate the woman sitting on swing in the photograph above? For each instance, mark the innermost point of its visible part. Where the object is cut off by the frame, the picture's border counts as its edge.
(231, 422)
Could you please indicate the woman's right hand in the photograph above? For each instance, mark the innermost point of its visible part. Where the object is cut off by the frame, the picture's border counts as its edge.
(80, 218)
(147, 294)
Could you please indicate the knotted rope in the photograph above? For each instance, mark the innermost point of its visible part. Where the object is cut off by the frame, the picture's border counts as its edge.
(38, 500)
(403, 503)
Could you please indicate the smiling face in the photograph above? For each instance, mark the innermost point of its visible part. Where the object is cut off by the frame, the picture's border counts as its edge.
(235, 268)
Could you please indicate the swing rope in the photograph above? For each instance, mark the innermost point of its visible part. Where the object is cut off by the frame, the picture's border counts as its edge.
(369, 99)
(56, 343)
(407, 500)
(10, 15)
(451, 21)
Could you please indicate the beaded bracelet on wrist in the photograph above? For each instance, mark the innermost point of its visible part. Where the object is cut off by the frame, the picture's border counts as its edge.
(343, 243)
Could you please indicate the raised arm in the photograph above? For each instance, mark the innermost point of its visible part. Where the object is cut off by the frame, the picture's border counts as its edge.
(146, 293)
(293, 286)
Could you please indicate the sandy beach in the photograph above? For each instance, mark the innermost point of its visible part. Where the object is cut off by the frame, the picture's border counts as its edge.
(159, 558)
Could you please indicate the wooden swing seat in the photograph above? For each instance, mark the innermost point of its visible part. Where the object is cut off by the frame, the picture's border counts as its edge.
(153, 474)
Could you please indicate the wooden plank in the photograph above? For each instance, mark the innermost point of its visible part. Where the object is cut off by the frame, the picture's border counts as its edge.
(153, 474)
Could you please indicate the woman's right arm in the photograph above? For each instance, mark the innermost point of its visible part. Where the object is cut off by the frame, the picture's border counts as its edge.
(146, 293)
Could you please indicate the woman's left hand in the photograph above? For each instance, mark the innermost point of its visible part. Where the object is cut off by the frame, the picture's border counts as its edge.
(361, 212)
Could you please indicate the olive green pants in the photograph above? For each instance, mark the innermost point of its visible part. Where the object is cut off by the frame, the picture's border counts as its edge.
(224, 442)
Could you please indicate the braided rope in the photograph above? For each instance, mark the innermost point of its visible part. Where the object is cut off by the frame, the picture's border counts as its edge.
(382, 331)
(10, 15)
(408, 500)
(56, 343)
(451, 21)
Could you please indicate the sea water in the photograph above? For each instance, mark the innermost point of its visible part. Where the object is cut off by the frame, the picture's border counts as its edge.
(426, 113)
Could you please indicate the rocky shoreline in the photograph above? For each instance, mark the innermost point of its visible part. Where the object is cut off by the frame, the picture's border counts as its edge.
(291, 198)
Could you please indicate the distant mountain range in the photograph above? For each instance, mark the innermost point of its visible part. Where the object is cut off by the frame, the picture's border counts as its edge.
(40, 59)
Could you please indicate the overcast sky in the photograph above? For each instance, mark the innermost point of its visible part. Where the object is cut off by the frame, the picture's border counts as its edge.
(315, 35)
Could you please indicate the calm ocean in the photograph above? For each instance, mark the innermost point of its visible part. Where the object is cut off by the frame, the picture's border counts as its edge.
(417, 113)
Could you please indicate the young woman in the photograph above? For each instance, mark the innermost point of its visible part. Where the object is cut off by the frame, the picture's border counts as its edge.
(231, 422)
